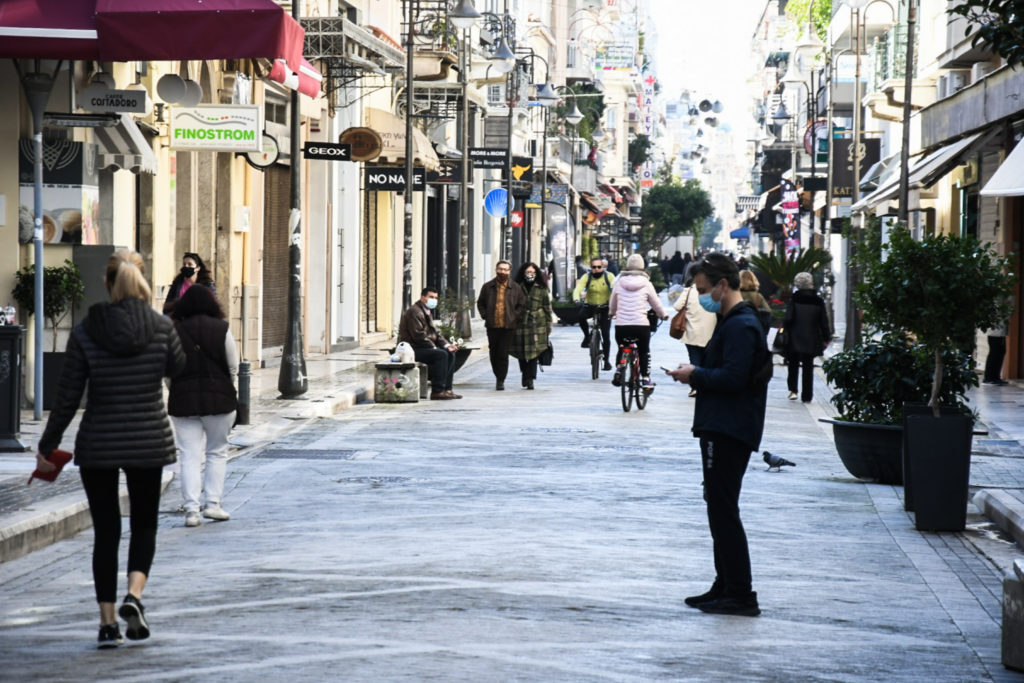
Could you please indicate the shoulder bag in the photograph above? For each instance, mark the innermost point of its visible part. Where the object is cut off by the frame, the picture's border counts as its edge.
(677, 328)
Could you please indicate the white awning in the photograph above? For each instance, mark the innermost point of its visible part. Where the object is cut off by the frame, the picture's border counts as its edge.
(392, 136)
(124, 146)
(1008, 180)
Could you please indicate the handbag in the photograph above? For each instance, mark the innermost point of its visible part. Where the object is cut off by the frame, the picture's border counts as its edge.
(547, 355)
(58, 458)
(652, 320)
(779, 343)
(677, 328)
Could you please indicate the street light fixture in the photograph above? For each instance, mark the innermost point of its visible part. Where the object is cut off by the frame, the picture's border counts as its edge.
(503, 58)
(574, 117)
(464, 15)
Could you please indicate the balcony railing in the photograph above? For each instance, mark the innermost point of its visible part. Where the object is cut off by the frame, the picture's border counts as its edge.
(888, 57)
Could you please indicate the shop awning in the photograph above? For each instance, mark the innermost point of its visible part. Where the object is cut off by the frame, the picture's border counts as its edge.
(747, 202)
(392, 135)
(880, 172)
(740, 233)
(610, 191)
(155, 30)
(306, 80)
(1008, 180)
(124, 146)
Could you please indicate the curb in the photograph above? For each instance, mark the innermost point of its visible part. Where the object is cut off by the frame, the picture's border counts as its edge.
(1004, 509)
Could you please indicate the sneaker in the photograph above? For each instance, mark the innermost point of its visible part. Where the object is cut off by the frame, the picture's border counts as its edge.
(607, 366)
(695, 600)
(110, 636)
(740, 606)
(585, 344)
(647, 384)
(216, 512)
(617, 377)
(693, 392)
(134, 613)
(792, 396)
(192, 518)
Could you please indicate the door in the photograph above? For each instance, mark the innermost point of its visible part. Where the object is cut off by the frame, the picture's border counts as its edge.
(275, 256)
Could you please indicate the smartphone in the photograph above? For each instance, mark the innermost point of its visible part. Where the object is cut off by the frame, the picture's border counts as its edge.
(665, 369)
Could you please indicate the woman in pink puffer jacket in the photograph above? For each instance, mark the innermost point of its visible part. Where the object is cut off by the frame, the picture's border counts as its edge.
(631, 295)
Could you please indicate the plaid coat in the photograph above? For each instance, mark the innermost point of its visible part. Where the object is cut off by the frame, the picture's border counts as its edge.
(531, 337)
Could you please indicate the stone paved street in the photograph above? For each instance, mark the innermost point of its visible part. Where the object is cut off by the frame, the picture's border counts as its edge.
(534, 536)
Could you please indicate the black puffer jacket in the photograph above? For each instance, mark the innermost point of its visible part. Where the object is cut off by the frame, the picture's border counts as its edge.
(204, 387)
(122, 352)
(806, 324)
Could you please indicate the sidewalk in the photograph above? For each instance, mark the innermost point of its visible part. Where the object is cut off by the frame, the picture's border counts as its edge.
(35, 516)
(32, 517)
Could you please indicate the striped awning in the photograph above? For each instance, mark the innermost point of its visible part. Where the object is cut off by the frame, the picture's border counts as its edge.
(124, 147)
(747, 202)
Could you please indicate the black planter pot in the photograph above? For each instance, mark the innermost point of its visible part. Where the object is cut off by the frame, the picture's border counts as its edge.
(567, 314)
(461, 356)
(908, 476)
(869, 451)
(938, 454)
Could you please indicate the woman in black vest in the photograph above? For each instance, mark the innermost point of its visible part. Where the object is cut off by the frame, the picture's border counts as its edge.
(203, 401)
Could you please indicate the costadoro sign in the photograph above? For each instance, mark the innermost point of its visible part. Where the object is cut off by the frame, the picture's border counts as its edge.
(392, 178)
(217, 128)
(101, 100)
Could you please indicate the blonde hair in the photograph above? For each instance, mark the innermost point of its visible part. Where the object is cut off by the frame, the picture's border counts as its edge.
(126, 276)
(748, 281)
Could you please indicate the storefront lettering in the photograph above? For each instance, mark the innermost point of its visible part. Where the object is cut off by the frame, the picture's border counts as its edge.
(213, 134)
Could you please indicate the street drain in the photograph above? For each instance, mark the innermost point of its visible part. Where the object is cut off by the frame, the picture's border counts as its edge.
(556, 430)
(307, 454)
(373, 481)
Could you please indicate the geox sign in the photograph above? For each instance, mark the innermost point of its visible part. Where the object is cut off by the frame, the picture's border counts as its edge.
(392, 178)
(328, 151)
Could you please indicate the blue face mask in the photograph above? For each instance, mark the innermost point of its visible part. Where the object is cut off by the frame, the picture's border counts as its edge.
(431, 304)
(709, 304)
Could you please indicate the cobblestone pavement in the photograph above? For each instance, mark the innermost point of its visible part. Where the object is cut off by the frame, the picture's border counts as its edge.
(533, 535)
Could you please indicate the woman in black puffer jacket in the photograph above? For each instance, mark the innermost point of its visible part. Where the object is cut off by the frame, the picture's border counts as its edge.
(121, 352)
(807, 335)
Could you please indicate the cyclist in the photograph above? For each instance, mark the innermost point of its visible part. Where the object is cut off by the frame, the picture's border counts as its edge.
(595, 289)
(631, 295)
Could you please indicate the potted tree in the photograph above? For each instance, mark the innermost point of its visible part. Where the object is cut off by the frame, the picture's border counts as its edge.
(939, 291)
(63, 290)
(449, 313)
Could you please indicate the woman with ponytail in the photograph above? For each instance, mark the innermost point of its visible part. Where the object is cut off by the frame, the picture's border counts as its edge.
(118, 356)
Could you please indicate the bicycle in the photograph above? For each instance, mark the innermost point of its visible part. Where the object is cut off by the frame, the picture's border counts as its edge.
(632, 387)
(592, 311)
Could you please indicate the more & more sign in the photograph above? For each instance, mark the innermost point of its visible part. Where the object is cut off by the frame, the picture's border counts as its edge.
(217, 128)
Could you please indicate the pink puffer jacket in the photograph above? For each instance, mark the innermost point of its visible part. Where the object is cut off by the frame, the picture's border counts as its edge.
(631, 295)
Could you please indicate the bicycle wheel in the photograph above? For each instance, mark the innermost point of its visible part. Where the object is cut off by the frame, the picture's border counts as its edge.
(626, 386)
(595, 350)
(638, 387)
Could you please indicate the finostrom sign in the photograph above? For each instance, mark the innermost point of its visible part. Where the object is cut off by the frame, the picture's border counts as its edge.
(217, 128)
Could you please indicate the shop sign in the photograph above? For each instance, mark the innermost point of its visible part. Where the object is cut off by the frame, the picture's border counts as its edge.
(365, 142)
(327, 151)
(448, 173)
(392, 178)
(98, 99)
(489, 157)
(217, 128)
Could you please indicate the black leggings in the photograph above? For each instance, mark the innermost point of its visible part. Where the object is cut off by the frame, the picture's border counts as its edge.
(641, 334)
(101, 488)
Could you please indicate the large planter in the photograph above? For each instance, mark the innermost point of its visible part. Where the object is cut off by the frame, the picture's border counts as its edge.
(567, 314)
(869, 451)
(908, 476)
(938, 456)
(461, 356)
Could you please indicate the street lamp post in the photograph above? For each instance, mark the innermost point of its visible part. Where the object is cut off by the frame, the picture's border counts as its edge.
(410, 10)
(908, 83)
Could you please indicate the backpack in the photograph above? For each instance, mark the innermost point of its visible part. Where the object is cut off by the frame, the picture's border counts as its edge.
(590, 276)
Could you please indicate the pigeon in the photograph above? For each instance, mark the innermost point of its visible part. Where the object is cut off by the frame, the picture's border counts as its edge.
(776, 463)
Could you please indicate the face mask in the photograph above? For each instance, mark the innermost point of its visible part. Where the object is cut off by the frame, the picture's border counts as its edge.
(431, 304)
(188, 271)
(502, 277)
(531, 278)
(709, 304)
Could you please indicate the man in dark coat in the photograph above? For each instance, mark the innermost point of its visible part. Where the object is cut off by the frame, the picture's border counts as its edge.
(728, 418)
(436, 352)
(501, 304)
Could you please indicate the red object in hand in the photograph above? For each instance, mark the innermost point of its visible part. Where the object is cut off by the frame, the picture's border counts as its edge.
(59, 458)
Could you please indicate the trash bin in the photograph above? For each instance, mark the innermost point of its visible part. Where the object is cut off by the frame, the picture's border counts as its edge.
(10, 388)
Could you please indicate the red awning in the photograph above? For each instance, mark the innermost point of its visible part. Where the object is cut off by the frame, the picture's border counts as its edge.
(611, 192)
(156, 30)
(306, 81)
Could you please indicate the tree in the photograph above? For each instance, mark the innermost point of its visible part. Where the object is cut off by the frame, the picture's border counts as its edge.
(996, 25)
(639, 151)
(590, 103)
(821, 15)
(671, 210)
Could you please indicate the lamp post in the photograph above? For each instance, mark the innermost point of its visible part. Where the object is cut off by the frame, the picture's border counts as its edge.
(546, 96)
(908, 84)
(291, 380)
(573, 118)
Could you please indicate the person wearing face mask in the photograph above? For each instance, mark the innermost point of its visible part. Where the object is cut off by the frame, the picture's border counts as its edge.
(193, 272)
(531, 336)
(728, 418)
(431, 349)
(501, 304)
(700, 325)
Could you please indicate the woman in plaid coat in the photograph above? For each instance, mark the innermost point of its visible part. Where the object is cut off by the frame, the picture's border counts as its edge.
(531, 337)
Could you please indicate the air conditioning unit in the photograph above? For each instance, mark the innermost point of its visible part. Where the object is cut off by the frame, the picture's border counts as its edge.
(941, 84)
(957, 79)
(980, 70)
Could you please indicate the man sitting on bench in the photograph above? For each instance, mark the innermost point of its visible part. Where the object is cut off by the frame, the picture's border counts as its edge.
(431, 349)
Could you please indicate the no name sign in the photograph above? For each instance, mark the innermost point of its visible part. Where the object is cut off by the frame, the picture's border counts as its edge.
(392, 178)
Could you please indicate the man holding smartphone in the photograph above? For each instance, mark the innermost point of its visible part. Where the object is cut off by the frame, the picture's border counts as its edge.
(728, 418)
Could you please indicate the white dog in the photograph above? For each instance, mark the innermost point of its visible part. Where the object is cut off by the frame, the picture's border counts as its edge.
(403, 354)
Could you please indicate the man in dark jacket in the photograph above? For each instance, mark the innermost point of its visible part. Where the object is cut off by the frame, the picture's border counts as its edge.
(807, 335)
(731, 385)
(501, 304)
(417, 329)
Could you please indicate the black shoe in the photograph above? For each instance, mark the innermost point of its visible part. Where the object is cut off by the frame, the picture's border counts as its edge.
(740, 606)
(529, 384)
(607, 366)
(499, 385)
(712, 593)
(110, 637)
(585, 344)
(134, 613)
(617, 378)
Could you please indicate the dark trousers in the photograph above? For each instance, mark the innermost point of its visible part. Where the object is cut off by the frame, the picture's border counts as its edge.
(801, 363)
(994, 360)
(725, 460)
(606, 327)
(696, 354)
(101, 488)
(528, 368)
(641, 335)
(440, 367)
(499, 339)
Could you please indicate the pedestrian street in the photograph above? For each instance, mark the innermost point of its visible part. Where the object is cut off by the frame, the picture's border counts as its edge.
(538, 535)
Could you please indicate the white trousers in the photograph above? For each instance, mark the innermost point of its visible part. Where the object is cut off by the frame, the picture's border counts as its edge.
(195, 436)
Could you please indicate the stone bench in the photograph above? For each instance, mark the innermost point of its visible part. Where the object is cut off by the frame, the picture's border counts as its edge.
(400, 382)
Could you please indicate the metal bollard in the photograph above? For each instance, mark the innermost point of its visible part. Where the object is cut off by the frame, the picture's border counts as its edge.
(244, 376)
